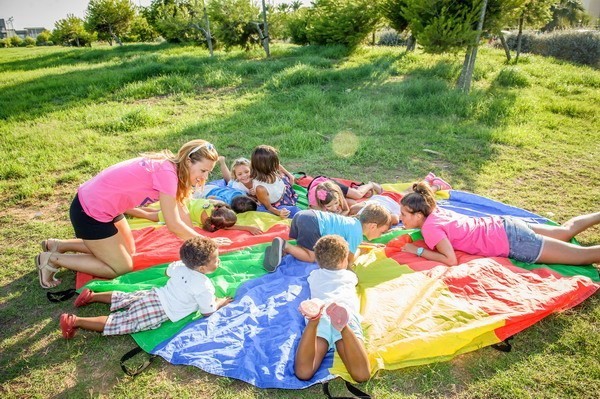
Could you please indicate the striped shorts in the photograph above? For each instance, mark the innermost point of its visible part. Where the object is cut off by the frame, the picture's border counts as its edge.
(142, 311)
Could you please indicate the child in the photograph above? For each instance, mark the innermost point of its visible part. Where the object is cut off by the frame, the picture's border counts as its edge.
(236, 199)
(188, 290)
(328, 197)
(239, 178)
(503, 236)
(211, 214)
(333, 285)
(308, 226)
(349, 194)
(272, 183)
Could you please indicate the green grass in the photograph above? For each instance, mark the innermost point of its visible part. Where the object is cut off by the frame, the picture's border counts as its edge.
(527, 135)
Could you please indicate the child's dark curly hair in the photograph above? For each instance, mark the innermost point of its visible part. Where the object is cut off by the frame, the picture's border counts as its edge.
(330, 251)
(243, 203)
(196, 251)
(222, 217)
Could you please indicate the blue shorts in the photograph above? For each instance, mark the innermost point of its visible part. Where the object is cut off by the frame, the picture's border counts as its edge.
(305, 229)
(326, 331)
(524, 244)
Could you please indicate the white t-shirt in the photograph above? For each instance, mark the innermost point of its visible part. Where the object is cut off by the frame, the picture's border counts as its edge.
(186, 292)
(275, 189)
(384, 201)
(239, 185)
(337, 286)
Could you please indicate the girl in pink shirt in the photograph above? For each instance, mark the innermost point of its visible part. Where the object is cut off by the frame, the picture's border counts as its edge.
(104, 243)
(445, 231)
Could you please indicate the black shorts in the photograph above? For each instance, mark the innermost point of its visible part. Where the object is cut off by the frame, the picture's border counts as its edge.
(305, 229)
(88, 228)
(342, 186)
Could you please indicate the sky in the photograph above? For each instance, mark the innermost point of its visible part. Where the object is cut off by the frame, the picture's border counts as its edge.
(44, 13)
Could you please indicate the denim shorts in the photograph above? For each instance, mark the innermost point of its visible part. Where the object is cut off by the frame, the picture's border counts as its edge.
(305, 229)
(524, 244)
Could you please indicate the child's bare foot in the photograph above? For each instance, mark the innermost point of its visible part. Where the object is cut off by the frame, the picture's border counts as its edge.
(377, 189)
(46, 271)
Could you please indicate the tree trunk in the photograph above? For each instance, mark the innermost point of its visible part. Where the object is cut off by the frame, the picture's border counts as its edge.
(505, 46)
(519, 37)
(411, 43)
(466, 75)
(207, 33)
(265, 39)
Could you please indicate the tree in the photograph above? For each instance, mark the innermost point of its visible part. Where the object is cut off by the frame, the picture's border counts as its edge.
(535, 14)
(566, 14)
(141, 31)
(109, 18)
(449, 25)
(233, 22)
(43, 38)
(176, 21)
(71, 32)
(392, 10)
(346, 22)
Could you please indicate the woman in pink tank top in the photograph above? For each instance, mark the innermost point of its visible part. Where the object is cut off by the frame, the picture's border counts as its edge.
(104, 243)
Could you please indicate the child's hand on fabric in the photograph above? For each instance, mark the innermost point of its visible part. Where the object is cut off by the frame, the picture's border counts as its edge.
(221, 241)
(284, 213)
(254, 230)
(410, 248)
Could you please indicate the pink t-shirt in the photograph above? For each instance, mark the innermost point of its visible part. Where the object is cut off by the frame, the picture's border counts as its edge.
(128, 184)
(484, 236)
(312, 190)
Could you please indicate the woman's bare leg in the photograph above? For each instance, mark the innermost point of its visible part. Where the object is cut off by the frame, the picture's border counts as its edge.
(109, 258)
(556, 251)
(570, 228)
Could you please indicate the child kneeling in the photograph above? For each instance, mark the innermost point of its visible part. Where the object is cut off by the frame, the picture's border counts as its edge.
(333, 292)
(187, 291)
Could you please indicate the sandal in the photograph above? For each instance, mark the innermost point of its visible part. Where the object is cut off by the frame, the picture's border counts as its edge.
(338, 316)
(85, 298)
(67, 325)
(47, 245)
(312, 309)
(441, 184)
(429, 178)
(46, 266)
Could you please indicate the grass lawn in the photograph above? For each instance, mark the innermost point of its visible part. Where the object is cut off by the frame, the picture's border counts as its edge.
(527, 135)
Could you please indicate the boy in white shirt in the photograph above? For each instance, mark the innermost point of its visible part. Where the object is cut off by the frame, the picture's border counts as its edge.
(332, 291)
(187, 291)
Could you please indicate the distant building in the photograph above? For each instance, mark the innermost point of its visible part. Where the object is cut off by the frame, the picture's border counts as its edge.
(7, 30)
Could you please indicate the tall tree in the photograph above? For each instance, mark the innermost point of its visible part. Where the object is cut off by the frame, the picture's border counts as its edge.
(177, 20)
(450, 25)
(567, 14)
(70, 31)
(534, 14)
(109, 18)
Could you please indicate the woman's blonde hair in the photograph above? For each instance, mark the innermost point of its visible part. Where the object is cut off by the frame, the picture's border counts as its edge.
(196, 151)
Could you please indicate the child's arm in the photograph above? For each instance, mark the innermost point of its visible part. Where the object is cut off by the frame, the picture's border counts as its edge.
(144, 213)
(288, 174)
(445, 253)
(220, 303)
(224, 169)
(251, 229)
(263, 197)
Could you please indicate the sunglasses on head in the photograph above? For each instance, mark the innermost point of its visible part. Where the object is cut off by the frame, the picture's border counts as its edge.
(208, 146)
(241, 161)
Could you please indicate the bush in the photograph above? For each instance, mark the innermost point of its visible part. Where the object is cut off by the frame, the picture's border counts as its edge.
(4, 43)
(582, 47)
(15, 41)
(390, 37)
(29, 41)
(512, 77)
(346, 22)
(232, 22)
(43, 38)
(297, 26)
